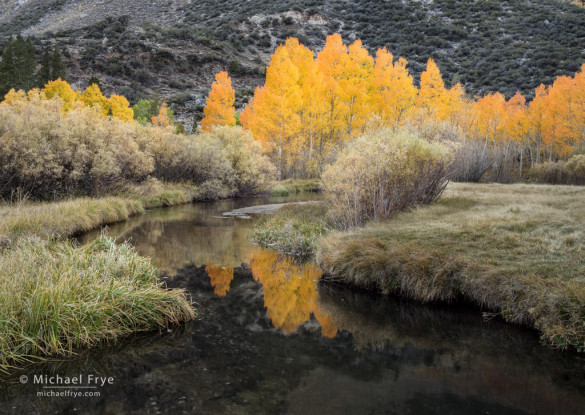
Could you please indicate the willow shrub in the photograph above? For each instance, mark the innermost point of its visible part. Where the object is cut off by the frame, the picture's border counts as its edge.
(226, 161)
(571, 171)
(45, 151)
(382, 173)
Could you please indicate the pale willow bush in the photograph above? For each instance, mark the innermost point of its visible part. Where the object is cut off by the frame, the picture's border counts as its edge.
(571, 171)
(46, 151)
(382, 173)
(225, 161)
(253, 171)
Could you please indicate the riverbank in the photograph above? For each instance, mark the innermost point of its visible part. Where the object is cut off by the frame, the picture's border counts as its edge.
(56, 298)
(292, 186)
(513, 250)
(516, 250)
(65, 218)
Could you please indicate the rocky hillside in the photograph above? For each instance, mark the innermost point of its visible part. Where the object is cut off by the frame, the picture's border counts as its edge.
(175, 46)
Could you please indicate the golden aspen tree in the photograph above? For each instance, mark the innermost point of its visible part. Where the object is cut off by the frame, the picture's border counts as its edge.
(490, 117)
(516, 123)
(13, 96)
(354, 87)
(537, 118)
(63, 90)
(331, 63)
(433, 99)
(314, 112)
(273, 115)
(393, 90)
(219, 109)
(92, 96)
(119, 107)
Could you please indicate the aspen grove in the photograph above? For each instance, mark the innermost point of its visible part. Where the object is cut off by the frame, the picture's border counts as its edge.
(311, 104)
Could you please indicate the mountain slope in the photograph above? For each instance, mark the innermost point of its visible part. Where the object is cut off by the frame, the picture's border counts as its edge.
(176, 46)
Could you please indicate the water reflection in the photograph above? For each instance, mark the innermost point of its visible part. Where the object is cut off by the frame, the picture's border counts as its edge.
(192, 234)
(220, 278)
(290, 291)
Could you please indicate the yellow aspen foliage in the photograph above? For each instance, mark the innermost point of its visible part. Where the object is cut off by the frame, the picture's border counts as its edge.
(355, 86)
(273, 115)
(516, 122)
(434, 100)
(490, 113)
(219, 109)
(331, 63)
(393, 90)
(119, 107)
(92, 96)
(63, 90)
(162, 120)
(14, 96)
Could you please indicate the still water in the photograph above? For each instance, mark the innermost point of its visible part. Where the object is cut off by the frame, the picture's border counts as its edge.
(269, 339)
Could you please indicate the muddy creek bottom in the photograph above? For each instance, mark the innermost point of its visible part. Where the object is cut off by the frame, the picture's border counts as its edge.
(269, 338)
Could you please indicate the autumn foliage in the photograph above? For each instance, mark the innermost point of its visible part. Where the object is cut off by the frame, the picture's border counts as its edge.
(310, 105)
(219, 110)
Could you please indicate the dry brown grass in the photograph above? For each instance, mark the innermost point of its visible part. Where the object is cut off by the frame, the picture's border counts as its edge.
(515, 249)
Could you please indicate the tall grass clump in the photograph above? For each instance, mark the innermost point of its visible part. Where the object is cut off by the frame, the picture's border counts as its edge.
(382, 173)
(63, 219)
(56, 298)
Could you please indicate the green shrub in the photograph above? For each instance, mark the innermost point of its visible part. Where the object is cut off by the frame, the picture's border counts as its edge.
(382, 173)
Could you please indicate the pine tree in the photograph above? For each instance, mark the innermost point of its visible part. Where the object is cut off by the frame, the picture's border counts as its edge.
(24, 64)
(44, 73)
(57, 66)
(7, 68)
(94, 81)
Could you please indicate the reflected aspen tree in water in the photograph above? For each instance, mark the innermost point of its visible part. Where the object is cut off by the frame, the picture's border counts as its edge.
(220, 277)
(290, 291)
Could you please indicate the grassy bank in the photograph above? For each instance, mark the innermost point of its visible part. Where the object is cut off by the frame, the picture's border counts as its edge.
(294, 229)
(293, 186)
(517, 250)
(55, 298)
(69, 217)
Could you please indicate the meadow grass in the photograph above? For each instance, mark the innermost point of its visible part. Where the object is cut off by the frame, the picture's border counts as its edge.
(516, 250)
(292, 186)
(56, 298)
(293, 229)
